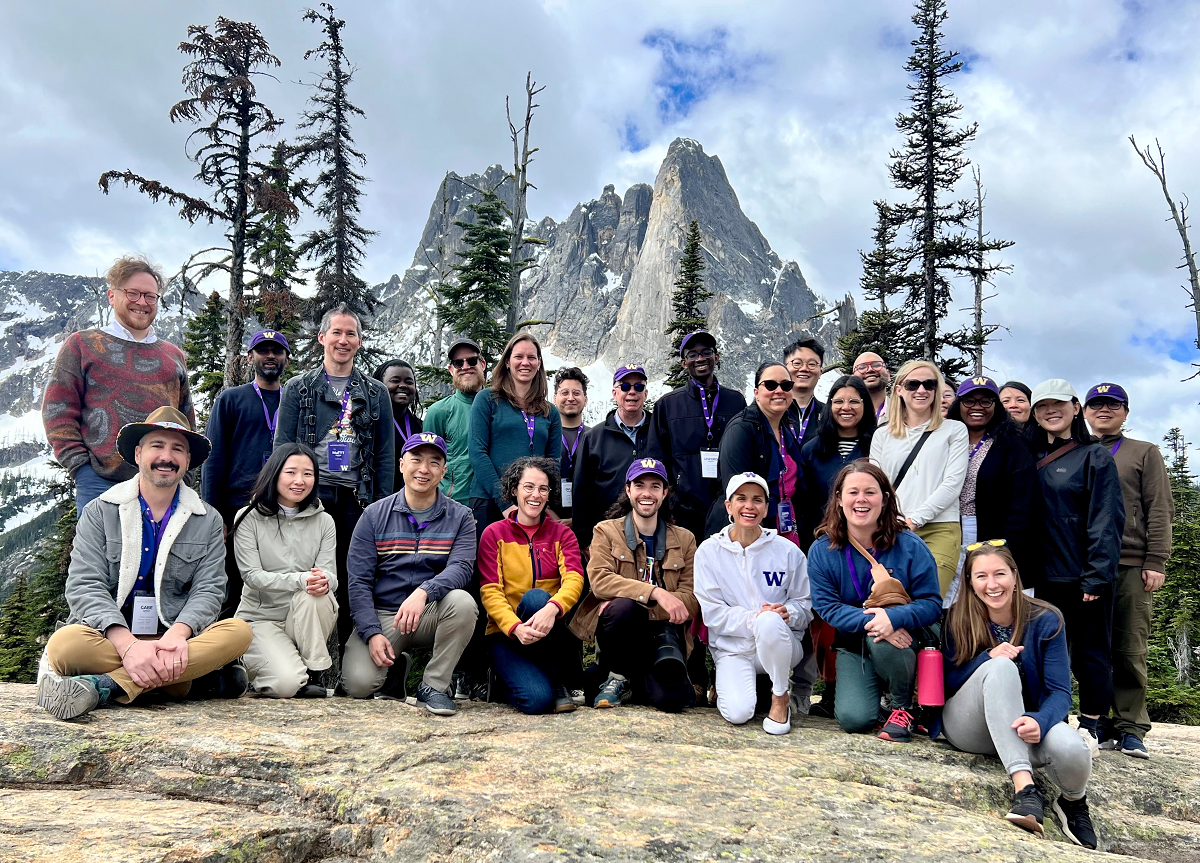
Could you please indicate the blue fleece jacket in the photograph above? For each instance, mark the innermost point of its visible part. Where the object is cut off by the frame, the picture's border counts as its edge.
(499, 437)
(838, 601)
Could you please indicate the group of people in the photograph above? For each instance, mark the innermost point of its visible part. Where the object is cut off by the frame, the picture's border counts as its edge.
(795, 541)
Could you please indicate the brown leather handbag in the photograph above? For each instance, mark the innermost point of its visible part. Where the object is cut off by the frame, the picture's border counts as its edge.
(886, 591)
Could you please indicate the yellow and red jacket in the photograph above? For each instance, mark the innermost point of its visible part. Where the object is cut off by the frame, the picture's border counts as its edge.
(511, 563)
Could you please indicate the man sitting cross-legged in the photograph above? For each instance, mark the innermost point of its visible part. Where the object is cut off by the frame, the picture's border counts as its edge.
(145, 584)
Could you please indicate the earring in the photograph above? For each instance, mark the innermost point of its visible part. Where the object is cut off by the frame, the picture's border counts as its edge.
(731, 519)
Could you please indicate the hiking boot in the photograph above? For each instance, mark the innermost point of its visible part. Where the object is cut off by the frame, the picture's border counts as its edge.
(1132, 746)
(898, 728)
(1075, 821)
(313, 688)
(437, 703)
(395, 686)
(229, 681)
(1088, 735)
(68, 697)
(615, 691)
(563, 702)
(1028, 809)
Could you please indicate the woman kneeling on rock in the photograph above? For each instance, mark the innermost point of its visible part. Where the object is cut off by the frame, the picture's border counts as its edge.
(285, 545)
(876, 583)
(1010, 679)
(753, 590)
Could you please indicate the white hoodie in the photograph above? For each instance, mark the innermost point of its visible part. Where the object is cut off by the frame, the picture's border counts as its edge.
(732, 583)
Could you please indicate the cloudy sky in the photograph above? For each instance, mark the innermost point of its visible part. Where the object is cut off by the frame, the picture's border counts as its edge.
(798, 98)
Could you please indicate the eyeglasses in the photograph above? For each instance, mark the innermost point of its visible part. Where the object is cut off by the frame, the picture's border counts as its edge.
(702, 354)
(771, 385)
(148, 297)
(994, 543)
(854, 403)
(466, 361)
(877, 366)
(912, 386)
(811, 364)
(978, 401)
(626, 386)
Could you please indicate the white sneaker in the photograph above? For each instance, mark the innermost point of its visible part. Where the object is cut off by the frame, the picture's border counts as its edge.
(1089, 738)
(772, 727)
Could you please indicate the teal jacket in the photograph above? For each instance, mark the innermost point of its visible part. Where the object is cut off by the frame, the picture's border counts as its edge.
(451, 418)
(499, 437)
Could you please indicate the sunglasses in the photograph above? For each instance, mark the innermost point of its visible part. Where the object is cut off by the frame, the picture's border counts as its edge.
(994, 543)
(625, 386)
(912, 386)
(771, 385)
(465, 361)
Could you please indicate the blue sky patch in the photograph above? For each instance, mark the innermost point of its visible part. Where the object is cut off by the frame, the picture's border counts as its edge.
(1182, 349)
(694, 67)
(632, 138)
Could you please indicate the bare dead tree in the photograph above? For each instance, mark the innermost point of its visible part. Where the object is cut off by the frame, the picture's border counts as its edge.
(522, 156)
(1158, 167)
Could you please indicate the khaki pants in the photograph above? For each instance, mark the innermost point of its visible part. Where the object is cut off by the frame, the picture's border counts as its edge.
(944, 539)
(284, 651)
(77, 649)
(1131, 634)
(445, 625)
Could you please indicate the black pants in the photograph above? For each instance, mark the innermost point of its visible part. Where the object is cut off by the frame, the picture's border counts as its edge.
(627, 640)
(1089, 639)
(342, 503)
(475, 659)
(233, 575)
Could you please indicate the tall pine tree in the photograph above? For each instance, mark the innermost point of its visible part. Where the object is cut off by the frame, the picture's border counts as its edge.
(220, 82)
(16, 648)
(689, 294)
(338, 246)
(273, 249)
(204, 347)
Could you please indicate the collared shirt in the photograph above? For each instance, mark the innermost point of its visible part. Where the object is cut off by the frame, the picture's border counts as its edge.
(117, 331)
(152, 533)
(630, 431)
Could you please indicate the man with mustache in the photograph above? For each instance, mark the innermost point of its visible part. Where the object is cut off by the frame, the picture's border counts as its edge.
(241, 428)
(148, 618)
(874, 373)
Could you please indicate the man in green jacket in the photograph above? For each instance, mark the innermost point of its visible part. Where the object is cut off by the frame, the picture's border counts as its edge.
(451, 417)
(1145, 547)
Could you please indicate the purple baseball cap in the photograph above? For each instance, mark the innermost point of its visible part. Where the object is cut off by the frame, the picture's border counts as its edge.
(424, 439)
(1108, 391)
(625, 371)
(978, 383)
(643, 466)
(272, 336)
(699, 335)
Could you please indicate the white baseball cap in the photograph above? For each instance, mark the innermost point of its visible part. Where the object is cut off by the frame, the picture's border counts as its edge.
(740, 479)
(1055, 388)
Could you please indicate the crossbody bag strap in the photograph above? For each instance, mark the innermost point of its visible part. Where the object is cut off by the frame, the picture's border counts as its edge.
(908, 462)
(1061, 451)
(878, 570)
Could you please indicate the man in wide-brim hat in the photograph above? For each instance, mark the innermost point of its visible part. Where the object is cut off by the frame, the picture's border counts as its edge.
(148, 618)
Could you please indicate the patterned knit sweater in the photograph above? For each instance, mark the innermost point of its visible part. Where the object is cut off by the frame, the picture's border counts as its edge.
(99, 384)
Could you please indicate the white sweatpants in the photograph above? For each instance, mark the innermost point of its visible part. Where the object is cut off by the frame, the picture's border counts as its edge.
(284, 651)
(777, 651)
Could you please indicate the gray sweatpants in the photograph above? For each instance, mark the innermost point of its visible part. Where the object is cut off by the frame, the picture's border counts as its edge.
(979, 717)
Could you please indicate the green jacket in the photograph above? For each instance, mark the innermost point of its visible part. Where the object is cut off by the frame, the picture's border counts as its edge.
(451, 418)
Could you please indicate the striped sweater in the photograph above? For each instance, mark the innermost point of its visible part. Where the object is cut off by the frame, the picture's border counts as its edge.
(511, 563)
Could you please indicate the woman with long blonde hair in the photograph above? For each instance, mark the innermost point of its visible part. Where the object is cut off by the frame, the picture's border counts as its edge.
(925, 457)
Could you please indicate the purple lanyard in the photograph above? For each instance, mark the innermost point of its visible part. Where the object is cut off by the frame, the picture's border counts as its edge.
(344, 422)
(407, 428)
(272, 421)
(1117, 446)
(975, 448)
(570, 451)
(853, 567)
(807, 415)
(529, 423)
(710, 415)
(879, 410)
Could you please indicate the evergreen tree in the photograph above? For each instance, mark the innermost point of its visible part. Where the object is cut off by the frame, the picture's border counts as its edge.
(338, 246)
(892, 334)
(204, 347)
(273, 250)
(929, 165)
(220, 81)
(689, 294)
(475, 303)
(883, 266)
(15, 645)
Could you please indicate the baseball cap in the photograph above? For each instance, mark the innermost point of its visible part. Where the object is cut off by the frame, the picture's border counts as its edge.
(978, 383)
(460, 342)
(643, 466)
(698, 335)
(1055, 388)
(1108, 391)
(625, 371)
(740, 479)
(423, 439)
(273, 336)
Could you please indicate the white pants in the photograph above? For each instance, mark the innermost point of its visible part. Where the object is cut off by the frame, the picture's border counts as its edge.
(777, 651)
(284, 651)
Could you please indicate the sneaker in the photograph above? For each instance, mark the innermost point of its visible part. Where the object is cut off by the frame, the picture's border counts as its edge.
(898, 728)
(1028, 809)
(1132, 746)
(229, 681)
(395, 685)
(1075, 821)
(67, 697)
(458, 687)
(578, 697)
(1089, 737)
(313, 688)
(824, 707)
(1106, 736)
(563, 702)
(615, 691)
(437, 703)
(801, 702)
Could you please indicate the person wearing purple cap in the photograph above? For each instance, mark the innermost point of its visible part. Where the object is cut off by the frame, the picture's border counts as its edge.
(608, 449)
(1145, 547)
(241, 426)
(640, 574)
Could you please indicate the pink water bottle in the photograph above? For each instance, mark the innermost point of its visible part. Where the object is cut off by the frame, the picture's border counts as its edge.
(931, 682)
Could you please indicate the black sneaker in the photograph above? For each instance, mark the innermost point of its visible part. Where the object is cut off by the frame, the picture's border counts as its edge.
(395, 687)
(898, 728)
(1028, 809)
(1075, 821)
(313, 688)
(437, 703)
(563, 702)
(230, 681)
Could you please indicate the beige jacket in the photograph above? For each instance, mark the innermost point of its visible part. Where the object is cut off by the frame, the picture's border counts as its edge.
(276, 556)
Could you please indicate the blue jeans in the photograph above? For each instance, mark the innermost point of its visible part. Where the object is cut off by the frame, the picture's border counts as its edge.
(533, 671)
(89, 485)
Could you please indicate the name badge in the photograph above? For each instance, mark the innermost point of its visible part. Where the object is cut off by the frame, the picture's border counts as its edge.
(145, 616)
(339, 456)
(708, 463)
(567, 488)
(786, 517)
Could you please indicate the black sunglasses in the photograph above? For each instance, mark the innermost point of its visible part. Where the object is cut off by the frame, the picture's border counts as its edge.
(912, 386)
(465, 361)
(625, 386)
(771, 385)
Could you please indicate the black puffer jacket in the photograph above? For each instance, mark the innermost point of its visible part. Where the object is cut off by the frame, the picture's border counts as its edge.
(1008, 501)
(601, 462)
